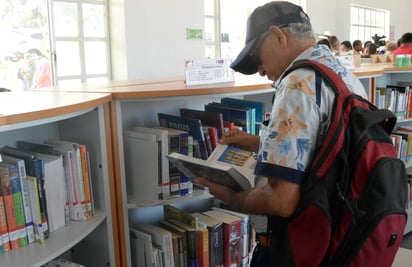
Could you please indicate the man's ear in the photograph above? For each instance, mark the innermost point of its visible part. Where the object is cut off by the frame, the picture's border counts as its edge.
(280, 35)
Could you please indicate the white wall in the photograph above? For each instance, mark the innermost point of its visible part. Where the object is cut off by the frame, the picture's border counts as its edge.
(334, 16)
(149, 36)
(155, 36)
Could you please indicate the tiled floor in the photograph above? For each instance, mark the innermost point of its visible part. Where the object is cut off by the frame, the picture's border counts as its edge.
(407, 241)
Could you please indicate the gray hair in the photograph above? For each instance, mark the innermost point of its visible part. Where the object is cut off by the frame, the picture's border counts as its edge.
(299, 31)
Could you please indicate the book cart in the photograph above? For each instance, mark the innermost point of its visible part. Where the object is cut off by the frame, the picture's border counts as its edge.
(79, 117)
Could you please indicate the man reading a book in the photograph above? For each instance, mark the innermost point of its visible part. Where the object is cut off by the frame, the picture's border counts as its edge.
(278, 34)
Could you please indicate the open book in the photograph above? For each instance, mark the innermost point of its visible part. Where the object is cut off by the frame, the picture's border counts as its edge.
(226, 165)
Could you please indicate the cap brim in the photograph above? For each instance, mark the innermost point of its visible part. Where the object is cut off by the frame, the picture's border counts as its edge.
(243, 62)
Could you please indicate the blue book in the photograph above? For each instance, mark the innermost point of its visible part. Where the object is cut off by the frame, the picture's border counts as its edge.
(240, 116)
(257, 105)
(192, 126)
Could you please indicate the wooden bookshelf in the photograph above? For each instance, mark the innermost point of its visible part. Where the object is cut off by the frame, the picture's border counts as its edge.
(81, 117)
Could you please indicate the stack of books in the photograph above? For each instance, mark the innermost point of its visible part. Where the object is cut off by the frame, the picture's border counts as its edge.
(216, 237)
(195, 134)
(43, 186)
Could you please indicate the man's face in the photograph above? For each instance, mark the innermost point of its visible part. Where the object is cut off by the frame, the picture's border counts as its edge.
(270, 57)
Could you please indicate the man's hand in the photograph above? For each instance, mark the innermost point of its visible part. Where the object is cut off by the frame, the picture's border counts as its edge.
(241, 140)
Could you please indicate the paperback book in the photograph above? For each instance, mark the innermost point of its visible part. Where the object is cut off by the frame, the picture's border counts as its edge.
(227, 165)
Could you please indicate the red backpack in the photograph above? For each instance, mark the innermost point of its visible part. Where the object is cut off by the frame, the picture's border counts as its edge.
(353, 202)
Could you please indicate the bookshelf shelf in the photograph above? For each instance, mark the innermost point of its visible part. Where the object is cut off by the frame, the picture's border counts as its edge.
(198, 194)
(138, 105)
(58, 243)
(78, 117)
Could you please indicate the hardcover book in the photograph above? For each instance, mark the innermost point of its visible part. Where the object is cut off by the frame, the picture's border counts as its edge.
(192, 126)
(241, 116)
(232, 237)
(81, 172)
(9, 207)
(4, 233)
(143, 166)
(212, 119)
(162, 238)
(141, 248)
(246, 246)
(161, 136)
(215, 230)
(259, 107)
(25, 193)
(18, 203)
(227, 165)
(34, 168)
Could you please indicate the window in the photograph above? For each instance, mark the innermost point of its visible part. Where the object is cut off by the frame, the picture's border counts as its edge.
(81, 42)
(365, 22)
(225, 25)
(73, 42)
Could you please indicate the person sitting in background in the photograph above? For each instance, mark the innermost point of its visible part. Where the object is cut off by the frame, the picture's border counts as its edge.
(346, 48)
(357, 47)
(324, 42)
(406, 45)
(370, 49)
(391, 46)
(334, 44)
(365, 44)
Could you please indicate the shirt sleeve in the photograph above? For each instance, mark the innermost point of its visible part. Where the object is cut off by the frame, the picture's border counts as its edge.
(289, 139)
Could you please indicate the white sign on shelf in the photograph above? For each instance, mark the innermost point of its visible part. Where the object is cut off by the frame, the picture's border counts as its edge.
(207, 71)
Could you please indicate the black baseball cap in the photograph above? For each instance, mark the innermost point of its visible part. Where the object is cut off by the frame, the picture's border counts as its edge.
(278, 13)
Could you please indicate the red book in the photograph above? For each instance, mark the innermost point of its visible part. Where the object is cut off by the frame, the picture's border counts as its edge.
(4, 232)
(9, 207)
(231, 237)
(213, 136)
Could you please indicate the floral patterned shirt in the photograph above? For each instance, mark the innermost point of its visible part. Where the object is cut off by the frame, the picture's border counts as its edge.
(299, 118)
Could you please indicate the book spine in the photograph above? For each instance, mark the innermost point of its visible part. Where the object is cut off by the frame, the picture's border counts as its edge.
(80, 183)
(213, 137)
(216, 245)
(203, 247)
(26, 200)
(18, 205)
(39, 174)
(186, 148)
(75, 209)
(4, 232)
(35, 209)
(9, 207)
(86, 181)
(231, 244)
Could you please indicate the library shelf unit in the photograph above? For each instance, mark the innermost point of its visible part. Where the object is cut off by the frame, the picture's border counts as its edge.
(380, 75)
(138, 105)
(79, 117)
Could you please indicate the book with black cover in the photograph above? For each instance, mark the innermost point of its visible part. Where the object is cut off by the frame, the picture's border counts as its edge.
(213, 119)
(227, 165)
(192, 126)
(241, 116)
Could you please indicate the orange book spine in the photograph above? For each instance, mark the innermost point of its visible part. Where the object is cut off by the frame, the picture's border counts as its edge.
(9, 208)
(86, 181)
(203, 247)
(4, 231)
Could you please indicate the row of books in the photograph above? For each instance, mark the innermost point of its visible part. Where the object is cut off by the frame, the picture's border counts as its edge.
(409, 202)
(216, 237)
(402, 140)
(194, 133)
(396, 98)
(43, 186)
